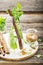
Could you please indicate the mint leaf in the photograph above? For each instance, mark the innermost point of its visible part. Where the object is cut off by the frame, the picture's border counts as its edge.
(38, 56)
(39, 40)
(2, 23)
(25, 41)
(19, 30)
(13, 40)
(13, 45)
(19, 7)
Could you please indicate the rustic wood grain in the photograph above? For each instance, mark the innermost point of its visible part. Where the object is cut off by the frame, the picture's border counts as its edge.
(32, 18)
(28, 5)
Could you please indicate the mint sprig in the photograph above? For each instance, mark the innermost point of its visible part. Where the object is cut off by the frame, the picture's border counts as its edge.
(2, 23)
(17, 12)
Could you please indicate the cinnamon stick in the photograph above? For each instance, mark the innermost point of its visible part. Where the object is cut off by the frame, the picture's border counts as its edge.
(19, 39)
(14, 24)
(1, 50)
(3, 43)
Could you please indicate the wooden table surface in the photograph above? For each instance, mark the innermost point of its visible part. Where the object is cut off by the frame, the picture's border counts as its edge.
(28, 20)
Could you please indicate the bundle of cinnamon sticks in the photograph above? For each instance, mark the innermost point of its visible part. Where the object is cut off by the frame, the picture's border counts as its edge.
(3, 46)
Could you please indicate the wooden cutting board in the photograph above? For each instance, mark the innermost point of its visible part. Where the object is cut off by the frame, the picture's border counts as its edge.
(17, 53)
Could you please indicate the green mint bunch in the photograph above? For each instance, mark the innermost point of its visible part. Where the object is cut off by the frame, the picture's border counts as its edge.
(17, 12)
(2, 23)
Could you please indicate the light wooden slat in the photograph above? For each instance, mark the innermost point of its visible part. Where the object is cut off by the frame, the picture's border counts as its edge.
(31, 18)
(32, 25)
(28, 25)
(25, 26)
(28, 5)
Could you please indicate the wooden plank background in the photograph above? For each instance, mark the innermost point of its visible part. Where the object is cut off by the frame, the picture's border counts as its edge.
(28, 5)
(30, 21)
